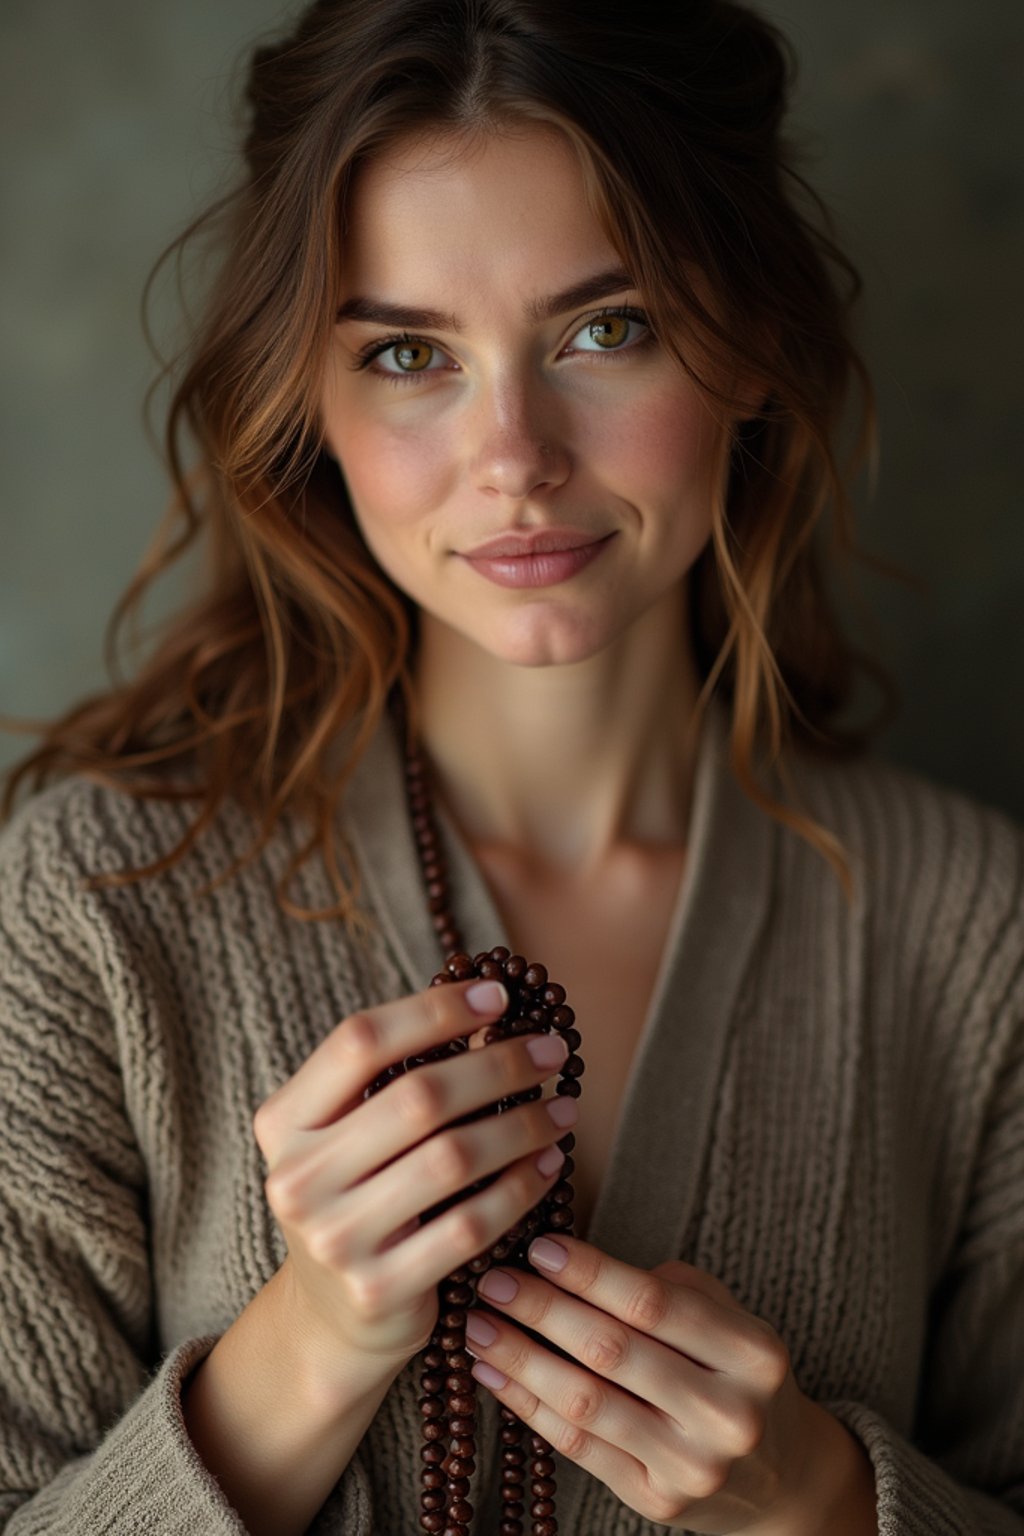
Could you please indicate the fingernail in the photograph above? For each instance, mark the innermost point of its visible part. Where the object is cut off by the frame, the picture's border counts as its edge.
(550, 1160)
(547, 1050)
(487, 997)
(496, 1286)
(479, 1329)
(487, 1374)
(546, 1254)
(563, 1110)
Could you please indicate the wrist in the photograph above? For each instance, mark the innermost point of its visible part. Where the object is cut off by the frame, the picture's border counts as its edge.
(336, 1374)
(839, 1495)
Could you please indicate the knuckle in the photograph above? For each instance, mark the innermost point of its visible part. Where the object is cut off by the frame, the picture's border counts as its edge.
(768, 1354)
(647, 1306)
(448, 1159)
(264, 1124)
(367, 1295)
(748, 1429)
(469, 1231)
(357, 1034)
(663, 1508)
(709, 1478)
(582, 1407)
(283, 1189)
(419, 1099)
(606, 1350)
(573, 1442)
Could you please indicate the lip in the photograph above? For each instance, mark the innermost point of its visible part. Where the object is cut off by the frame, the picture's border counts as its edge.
(544, 541)
(539, 569)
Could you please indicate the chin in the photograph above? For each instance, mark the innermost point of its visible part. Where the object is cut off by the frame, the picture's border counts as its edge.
(532, 640)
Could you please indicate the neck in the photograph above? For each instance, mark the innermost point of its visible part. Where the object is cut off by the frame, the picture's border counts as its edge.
(563, 767)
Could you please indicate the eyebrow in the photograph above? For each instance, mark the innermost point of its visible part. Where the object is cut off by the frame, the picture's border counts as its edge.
(588, 291)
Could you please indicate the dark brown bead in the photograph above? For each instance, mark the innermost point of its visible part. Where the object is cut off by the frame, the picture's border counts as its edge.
(563, 1017)
(560, 1218)
(542, 1466)
(458, 1487)
(499, 952)
(461, 1404)
(543, 1487)
(513, 1456)
(461, 1510)
(544, 1528)
(541, 1507)
(462, 1447)
(455, 1318)
(452, 1340)
(456, 1528)
(433, 1429)
(458, 1360)
(512, 1475)
(513, 1527)
(561, 1194)
(572, 1038)
(431, 1407)
(432, 1522)
(432, 1453)
(459, 1381)
(432, 1477)
(568, 1087)
(437, 1499)
(540, 1445)
(553, 995)
(536, 976)
(458, 1295)
(516, 967)
(464, 1424)
(574, 1066)
(461, 1466)
(432, 1382)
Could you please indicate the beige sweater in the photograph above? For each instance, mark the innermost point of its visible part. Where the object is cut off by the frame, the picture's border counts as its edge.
(832, 1099)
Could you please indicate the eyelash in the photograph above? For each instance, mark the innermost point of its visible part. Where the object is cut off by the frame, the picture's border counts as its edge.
(365, 358)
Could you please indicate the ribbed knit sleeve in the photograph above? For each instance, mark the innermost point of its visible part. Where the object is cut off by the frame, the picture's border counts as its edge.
(93, 1436)
(964, 1475)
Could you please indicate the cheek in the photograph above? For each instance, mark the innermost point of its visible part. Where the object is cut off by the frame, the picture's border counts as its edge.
(655, 448)
(394, 475)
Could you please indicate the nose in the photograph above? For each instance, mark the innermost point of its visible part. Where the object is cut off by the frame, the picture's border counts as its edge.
(514, 456)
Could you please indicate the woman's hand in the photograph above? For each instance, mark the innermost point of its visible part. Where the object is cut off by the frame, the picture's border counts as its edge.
(349, 1178)
(675, 1396)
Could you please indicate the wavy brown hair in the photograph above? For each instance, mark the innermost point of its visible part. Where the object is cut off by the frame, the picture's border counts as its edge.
(676, 115)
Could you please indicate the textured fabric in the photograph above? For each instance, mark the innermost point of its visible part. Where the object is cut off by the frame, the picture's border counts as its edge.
(825, 1109)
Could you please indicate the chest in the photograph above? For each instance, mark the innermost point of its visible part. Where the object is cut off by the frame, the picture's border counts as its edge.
(603, 942)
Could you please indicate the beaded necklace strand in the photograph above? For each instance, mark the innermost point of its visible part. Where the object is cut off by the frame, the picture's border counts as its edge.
(448, 1404)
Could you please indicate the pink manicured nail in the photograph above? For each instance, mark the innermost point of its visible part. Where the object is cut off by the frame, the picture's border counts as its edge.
(486, 997)
(546, 1254)
(487, 1374)
(550, 1160)
(479, 1329)
(496, 1285)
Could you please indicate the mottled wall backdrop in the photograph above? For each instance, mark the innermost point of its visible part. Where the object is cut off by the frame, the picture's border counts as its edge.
(116, 128)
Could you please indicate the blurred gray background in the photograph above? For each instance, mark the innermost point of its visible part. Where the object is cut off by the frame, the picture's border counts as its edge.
(117, 127)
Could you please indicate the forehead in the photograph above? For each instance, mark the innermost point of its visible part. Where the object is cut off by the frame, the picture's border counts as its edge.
(471, 213)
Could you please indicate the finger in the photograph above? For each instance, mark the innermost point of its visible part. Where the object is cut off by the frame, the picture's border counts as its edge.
(718, 1335)
(615, 1437)
(469, 1228)
(325, 1165)
(706, 1405)
(365, 1043)
(453, 1160)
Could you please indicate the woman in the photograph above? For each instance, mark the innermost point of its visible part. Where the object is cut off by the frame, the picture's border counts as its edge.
(537, 277)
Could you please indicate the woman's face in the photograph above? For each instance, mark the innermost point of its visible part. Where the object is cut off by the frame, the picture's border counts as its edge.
(515, 405)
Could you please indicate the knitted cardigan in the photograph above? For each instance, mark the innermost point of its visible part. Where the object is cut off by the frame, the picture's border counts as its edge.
(831, 1097)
